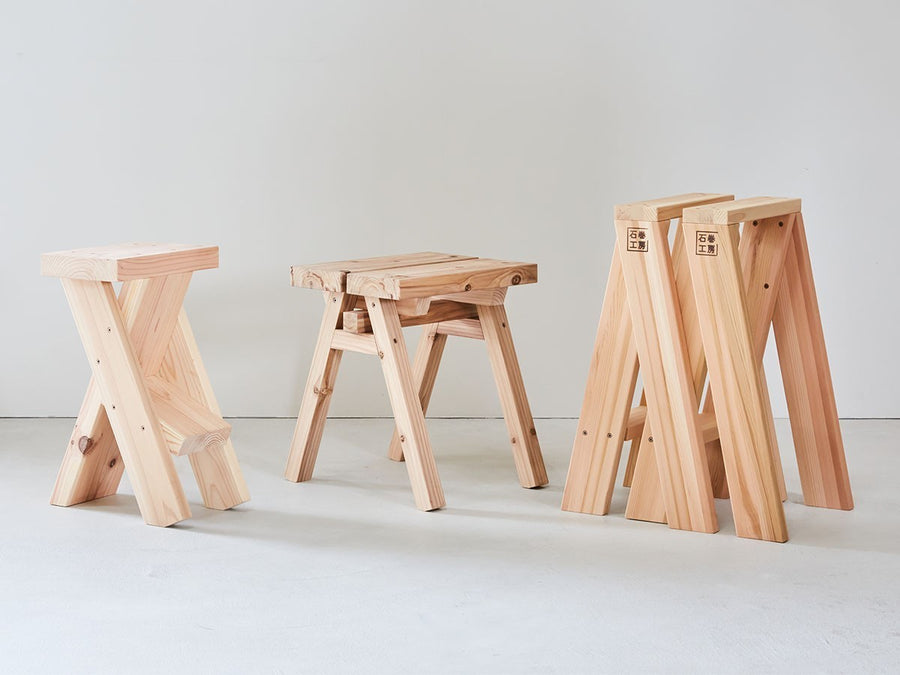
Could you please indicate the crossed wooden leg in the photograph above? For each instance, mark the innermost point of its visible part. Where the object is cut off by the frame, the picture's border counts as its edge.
(127, 341)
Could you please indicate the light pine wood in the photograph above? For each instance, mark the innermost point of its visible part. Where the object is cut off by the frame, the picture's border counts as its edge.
(410, 419)
(187, 426)
(666, 208)
(448, 296)
(736, 387)
(92, 466)
(318, 390)
(216, 469)
(490, 296)
(645, 500)
(121, 382)
(425, 369)
(807, 382)
(357, 321)
(671, 398)
(635, 425)
(634, 450)
(742, 210)
(513, 399)
(466, 328)
(607, 401)
(344, 340)
(131, 261)
(332, 276)
(440, 278)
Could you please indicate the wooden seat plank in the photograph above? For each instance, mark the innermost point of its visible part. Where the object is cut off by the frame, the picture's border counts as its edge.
(129, 261)
(741, 210)
(441, 278)
(332, 276)
(666, 208)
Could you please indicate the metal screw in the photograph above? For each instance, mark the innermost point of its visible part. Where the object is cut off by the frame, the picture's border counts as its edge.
(780, 223)
(650, 439)
(468, 287)
(755, 223)
(584, 432)
(765, 285)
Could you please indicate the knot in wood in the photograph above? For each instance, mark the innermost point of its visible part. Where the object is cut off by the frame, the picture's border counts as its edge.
(516, 280)
(85, 444)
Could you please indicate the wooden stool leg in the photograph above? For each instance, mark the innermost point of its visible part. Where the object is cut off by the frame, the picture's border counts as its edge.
(318, 390)
(645, 501)
(513, 399)
(216, 470)
(606, 405)
(121, 383)
(663, 353)
(408, 413)
(425, 369)
(807, 382)
(633, 451)
(735, 382)
(92, 466)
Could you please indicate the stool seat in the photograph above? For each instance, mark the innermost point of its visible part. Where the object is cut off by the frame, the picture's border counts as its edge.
(129, 261)
(741, 210)
(413, 275)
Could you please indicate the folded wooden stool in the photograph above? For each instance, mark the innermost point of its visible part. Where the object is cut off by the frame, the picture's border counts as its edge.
(149, 397)
(707, 303)
(367, 302)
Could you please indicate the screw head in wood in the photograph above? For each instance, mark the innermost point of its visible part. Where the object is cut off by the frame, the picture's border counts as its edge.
(780, 223)
(112, 462)
(584, 433)
(755, 223)
(609, 435)
(765, 285)
(468, 287)
(650, 439)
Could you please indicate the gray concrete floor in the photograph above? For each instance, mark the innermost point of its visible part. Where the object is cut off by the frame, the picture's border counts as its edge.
(343, 574)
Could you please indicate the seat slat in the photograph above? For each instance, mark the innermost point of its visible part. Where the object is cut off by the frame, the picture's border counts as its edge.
(332, 276)
(441, 278)
(129, 261)
(741, 210)
(666, 208)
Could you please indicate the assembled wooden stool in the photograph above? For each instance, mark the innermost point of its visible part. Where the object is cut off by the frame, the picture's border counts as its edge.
(149, 396)
(708, 304)
(367, 302)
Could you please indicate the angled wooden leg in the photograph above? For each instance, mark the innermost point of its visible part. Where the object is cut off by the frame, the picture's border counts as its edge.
(807, 382)
(216, 469)
(425, 369)
(606, 405)
(513, 399)
(318, 390)
(423, 475)
(92, 466)
(663, 353)
(645, 501)
(633, 451)
(735, 382)
(120, 379)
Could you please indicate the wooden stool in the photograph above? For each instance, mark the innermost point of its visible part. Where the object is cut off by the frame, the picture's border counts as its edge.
(367, 302)
(708, 303)
(149, 396)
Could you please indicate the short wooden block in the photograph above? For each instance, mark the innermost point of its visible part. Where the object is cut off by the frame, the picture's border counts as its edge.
(357, 321)
(125, 262)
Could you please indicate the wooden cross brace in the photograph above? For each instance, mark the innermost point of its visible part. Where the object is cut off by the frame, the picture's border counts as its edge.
(149, 396)
(708, 303)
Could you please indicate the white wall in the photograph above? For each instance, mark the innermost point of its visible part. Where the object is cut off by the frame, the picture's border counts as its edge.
(290, 132)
